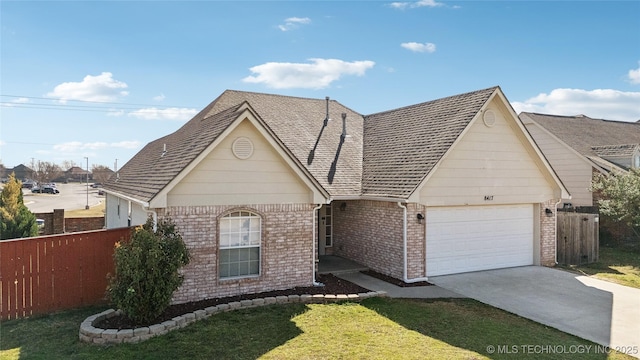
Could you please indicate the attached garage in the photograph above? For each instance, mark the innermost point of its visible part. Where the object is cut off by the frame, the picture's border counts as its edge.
(472, 238)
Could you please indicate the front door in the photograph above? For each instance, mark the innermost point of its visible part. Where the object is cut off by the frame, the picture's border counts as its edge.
(325, 227)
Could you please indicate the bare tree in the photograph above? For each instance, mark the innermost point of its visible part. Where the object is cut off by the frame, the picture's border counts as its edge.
(44, 171)
(101, 173)
(68, 164)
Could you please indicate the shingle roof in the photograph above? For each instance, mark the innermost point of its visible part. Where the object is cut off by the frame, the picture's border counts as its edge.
(402, 146)
(149, 171)
(295, 122)
(386, 154)
(582, 133)
(623, 150)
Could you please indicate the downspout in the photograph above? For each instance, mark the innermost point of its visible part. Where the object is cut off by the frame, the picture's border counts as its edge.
(555, 230)
(315, 241)
(404, 245)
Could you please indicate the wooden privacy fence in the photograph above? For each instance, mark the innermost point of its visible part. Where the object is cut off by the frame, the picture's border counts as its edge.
(578, 239)
(51, 273)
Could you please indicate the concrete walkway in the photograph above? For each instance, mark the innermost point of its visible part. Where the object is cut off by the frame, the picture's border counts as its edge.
(603, 312)
(417, 292)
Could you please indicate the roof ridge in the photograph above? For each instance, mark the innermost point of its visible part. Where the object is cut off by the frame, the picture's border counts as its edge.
(493, 88)
(580, 117)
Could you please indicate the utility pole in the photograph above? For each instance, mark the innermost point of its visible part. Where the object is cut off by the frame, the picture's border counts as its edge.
(87, 206)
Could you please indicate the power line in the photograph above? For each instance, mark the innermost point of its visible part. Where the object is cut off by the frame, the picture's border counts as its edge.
(83, 101)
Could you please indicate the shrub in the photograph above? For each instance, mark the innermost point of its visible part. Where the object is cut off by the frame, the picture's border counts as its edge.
(16, 221)
(147, 271)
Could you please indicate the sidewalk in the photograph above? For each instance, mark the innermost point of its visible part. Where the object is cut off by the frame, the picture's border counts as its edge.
(416, 292)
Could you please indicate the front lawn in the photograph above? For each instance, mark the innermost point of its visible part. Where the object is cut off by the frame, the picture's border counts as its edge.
(619, 264)
(378, 328)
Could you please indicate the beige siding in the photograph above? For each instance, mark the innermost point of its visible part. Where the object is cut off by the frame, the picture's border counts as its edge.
(223, 179)
(489, 161)
(571, 168)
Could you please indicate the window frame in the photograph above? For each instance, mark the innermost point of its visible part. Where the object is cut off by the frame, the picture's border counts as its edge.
(243, 230)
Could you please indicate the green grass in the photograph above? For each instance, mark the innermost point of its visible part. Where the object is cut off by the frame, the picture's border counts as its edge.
(619, 264)
(380, 328)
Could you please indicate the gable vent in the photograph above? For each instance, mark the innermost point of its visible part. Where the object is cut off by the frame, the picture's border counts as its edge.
(242, 148)
(489, 118)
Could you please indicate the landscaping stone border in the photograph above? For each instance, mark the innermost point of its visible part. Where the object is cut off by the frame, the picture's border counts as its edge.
(90, 334)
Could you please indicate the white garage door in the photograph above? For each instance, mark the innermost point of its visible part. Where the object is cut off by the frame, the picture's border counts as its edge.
(472, 238)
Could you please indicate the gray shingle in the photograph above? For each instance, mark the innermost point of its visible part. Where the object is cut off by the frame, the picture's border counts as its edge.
(386, 154)
(582, 133)
(402, 146)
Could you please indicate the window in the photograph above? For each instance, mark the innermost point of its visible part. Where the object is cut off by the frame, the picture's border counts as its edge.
(637, 161)
(240, 235)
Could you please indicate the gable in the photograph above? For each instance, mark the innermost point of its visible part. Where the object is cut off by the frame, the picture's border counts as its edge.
(574, 170)
(221, 178)
(490, 164)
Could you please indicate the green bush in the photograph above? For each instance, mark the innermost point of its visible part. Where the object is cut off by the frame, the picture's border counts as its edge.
(146, 273)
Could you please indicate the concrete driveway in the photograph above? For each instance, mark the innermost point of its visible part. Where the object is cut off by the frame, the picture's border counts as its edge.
(603, 312)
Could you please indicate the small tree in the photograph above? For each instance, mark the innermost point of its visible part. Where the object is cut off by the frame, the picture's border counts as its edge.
(16, 221)
(620, 197)
(146, 274)
(44, 171)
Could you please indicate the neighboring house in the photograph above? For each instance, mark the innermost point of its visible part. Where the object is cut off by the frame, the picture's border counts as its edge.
(578, 146)
(76, 173)
(21, 172)
(260, 185)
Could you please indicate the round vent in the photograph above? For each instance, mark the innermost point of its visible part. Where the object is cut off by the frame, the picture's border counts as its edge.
(242, 148)
(489, 118)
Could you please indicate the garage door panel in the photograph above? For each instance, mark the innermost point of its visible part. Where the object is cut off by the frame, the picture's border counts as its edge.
(463, 239)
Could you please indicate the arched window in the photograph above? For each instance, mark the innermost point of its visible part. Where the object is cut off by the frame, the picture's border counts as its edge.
(240, 235)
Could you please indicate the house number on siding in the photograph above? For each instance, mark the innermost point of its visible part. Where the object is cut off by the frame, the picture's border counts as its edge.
(488, 197)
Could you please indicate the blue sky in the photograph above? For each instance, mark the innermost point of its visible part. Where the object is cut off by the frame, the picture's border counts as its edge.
(101, 79)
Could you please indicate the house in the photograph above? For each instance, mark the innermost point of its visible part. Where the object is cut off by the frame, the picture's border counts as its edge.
(76, 173)
(579, 146)
(21, 172)
(262, 185)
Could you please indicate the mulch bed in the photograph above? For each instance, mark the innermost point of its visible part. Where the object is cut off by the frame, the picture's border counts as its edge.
(394, 281)
(332, 286)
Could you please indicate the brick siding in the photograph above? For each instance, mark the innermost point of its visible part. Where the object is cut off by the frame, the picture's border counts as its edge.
(371, 233)
(286, 250)
(548, 223)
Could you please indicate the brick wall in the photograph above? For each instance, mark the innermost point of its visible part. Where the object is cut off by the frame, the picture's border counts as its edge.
(83, 224)
(371, 233)
(286, 250)
(54, 222)
(548, 233)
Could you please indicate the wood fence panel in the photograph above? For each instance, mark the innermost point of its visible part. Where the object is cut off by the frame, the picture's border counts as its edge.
(50, 273)
(577, 238)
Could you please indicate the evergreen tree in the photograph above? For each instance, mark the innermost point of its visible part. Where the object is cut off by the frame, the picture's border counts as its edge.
(16, 221)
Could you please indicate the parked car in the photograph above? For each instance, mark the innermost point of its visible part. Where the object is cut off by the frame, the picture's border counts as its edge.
(96, 185)
(45, 190)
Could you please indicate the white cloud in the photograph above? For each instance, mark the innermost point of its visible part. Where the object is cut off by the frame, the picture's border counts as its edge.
(152, 113)
(634, 75)
(75, 146)
(92, 88)
(419, 47)
(17, 101)
(600, 104)
(293, 23)
(159, 97)
(416, 4)
(318, 74)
